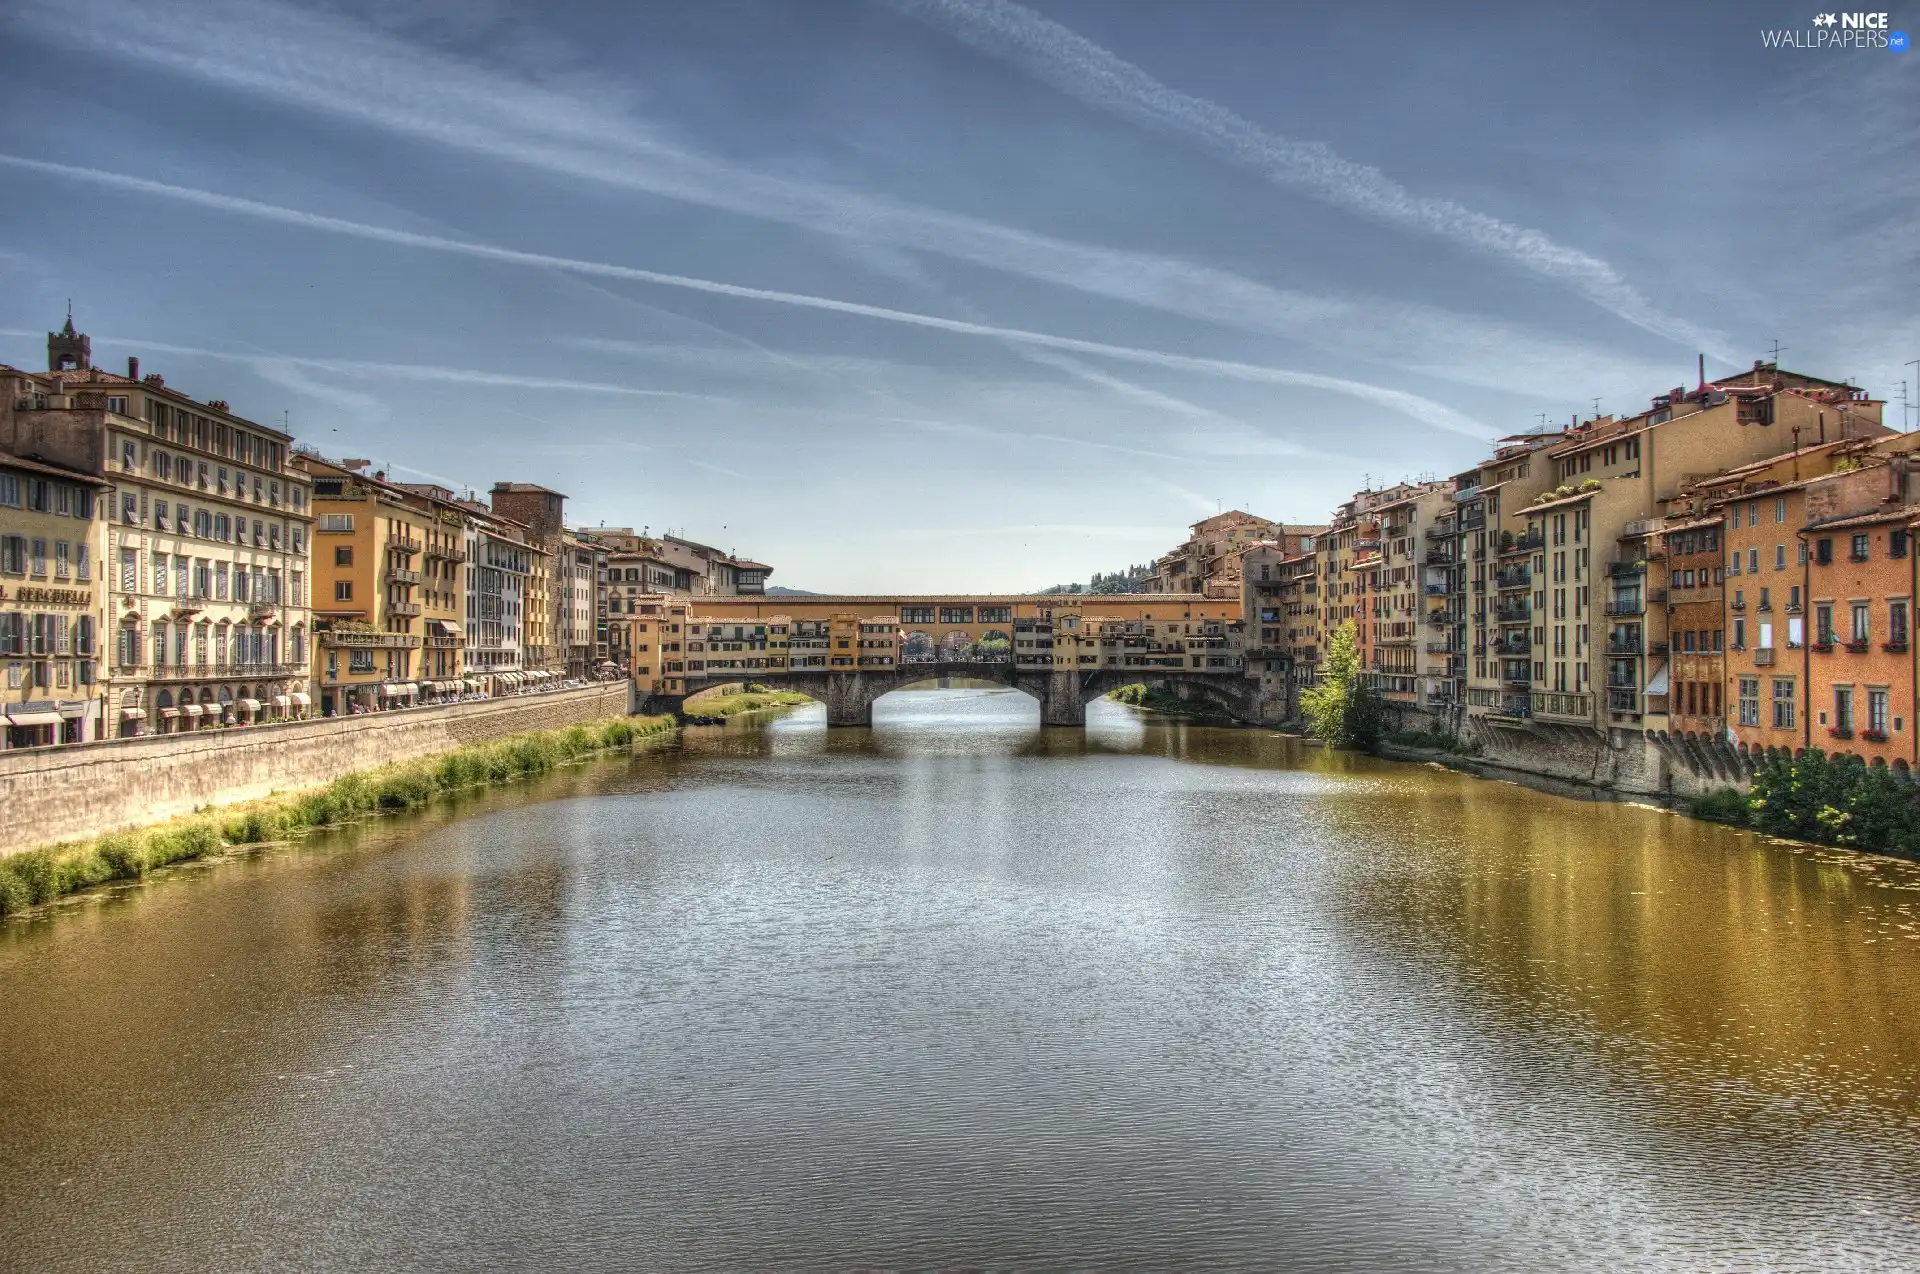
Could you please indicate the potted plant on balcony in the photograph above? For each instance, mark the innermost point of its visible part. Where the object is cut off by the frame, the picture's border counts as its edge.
(1857, 646)
(1839, 732)
(1824, 643)
(1894, 647)
(1874, 736)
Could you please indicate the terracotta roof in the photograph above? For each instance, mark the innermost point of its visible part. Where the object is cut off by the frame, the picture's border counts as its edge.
(52, 470)
(1892, 513)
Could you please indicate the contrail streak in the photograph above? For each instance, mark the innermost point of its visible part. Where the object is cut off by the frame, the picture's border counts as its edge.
(1095, 75)
(1422, 409)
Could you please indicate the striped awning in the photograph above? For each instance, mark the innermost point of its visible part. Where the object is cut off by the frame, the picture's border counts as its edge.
(250, 705)
(44, 716)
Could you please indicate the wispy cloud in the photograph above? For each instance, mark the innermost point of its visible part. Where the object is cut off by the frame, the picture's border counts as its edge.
(1068, 61)
(1425, 410)
(282, 369)
(318, 61)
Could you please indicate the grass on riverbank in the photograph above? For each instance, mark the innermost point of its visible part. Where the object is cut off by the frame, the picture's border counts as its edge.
(731, 701)
(41, 875)
(1159, 699)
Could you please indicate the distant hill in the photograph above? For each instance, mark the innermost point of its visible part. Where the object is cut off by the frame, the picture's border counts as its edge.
(780, 590)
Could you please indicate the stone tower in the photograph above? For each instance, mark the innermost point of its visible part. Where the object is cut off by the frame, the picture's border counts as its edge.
(68, 350)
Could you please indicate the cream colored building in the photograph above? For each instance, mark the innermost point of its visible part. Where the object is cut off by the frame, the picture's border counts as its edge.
(207, 547)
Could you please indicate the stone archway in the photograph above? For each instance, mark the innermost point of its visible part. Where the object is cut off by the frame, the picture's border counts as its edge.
(917, 648)
(994, 646)
(953, 646)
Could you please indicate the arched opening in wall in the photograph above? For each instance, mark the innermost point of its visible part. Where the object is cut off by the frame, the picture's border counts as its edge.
(917, 648)
(989, 713)
(994, 647)
(954, 645)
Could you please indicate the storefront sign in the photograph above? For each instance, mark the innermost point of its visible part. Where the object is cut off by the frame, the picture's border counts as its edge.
(48, 596)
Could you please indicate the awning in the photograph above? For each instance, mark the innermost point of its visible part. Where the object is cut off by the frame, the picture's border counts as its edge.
(301, 699)
(250, 705)
(283, 701)
(43, 717)
(1658, 685)
(442, 628)
(171, 713)
(191, 709)
(133, 714)
(398, 690)
(472, 683)
(73, 707)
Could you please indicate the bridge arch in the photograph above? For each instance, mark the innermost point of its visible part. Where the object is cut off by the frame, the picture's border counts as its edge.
(918, 647)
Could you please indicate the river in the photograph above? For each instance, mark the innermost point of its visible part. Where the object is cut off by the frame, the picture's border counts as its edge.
(958, 992)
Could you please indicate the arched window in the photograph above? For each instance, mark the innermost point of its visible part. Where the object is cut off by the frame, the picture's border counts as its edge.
(165, 699)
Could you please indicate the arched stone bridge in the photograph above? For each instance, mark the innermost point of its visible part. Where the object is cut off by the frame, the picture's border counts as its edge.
(849, 693)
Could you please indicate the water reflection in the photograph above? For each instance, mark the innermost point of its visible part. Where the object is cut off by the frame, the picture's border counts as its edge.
(963, 991)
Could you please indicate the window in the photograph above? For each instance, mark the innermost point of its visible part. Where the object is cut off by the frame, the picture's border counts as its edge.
(1897, 542)
(1749, 701)
(1783, 703)
(160, 573)
(343, 590)
(1859, 550)
(159, 515)
(13, 554)
(1780, 510)
(1779, 557)
(1877, 709)
(1823, 624)
(1860, 625)
(129, 570)
(9, 491)
(1753, 561)
(1823, 551)
(1843, 708)
(83, 563)
(1896, 621)
(117, 403)
(336, 521)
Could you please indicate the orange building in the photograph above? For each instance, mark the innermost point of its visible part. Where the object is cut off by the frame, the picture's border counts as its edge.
(1860, 678)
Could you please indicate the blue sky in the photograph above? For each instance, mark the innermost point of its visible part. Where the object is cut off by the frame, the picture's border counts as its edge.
(928, 294)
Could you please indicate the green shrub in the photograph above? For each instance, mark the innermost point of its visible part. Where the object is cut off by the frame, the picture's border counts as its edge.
(1722, 805)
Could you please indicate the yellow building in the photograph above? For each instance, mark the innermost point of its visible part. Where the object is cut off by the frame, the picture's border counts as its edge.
(659, 640)
(53, 528)
(370, 582)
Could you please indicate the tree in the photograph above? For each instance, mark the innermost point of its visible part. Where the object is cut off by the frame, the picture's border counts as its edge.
(1342, 709)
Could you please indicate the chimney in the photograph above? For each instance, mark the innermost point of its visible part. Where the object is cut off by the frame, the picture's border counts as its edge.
(133, 369)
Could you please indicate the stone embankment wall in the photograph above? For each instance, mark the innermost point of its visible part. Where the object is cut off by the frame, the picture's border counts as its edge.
(1621, 761)
(54, 794)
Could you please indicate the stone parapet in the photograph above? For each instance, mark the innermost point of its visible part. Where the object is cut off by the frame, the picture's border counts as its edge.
(67, 793)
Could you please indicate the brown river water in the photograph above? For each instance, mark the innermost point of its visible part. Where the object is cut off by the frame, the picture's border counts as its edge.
(959, 992)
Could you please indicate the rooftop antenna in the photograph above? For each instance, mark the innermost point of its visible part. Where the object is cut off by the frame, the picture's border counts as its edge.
(1905, 406)
(1778, 349)
(1596, 409)
(1915, 364)
(1543, 421)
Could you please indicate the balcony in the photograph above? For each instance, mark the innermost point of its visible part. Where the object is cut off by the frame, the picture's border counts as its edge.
(1522, 682)
(401, 575)
(402, 543)
(1624, 648)
(1763, 657)
(1519, 644)
(1623, 701)
(1626, 570)
(1513, 614)
(1438, 619)
(1439, 648)
(445, 554)
(403, 608)
(1441, 531)
(1435, 590)
(1626, 606)
(1523, 544)
(1509, 580)
(1436, 557)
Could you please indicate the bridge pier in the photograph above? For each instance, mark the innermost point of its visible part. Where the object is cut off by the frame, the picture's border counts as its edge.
(1062, 701)
(849, 696)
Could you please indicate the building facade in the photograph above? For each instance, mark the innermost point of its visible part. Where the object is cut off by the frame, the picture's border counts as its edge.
(52, 604)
